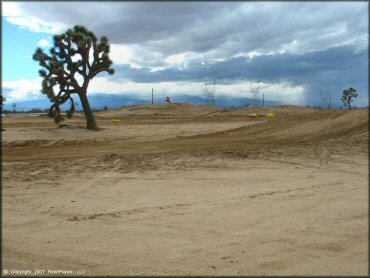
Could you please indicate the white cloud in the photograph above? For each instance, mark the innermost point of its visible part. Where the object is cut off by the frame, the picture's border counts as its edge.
(176, 59)
(14, 14)
(30, 89)
(22, 89)
(250, 55)
(277, 91)
(133, 55)
(34, 24)
(43, 43)
(103, 85)
(282, 91)
(154, 69)
(362, 44)
(10, 9)
(120, 54)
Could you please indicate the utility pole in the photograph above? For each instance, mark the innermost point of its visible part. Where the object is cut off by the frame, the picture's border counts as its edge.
(263, 99)
(256, 91)
(152, 95)
(210, 90)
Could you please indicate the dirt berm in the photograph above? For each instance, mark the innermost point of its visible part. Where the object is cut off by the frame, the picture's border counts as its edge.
(304, 128)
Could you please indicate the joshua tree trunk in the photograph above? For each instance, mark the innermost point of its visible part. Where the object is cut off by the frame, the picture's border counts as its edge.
(90, 119)
(349, 103)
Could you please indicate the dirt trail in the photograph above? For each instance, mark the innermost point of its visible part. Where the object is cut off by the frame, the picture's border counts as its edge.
(176, 109)
(208, 194)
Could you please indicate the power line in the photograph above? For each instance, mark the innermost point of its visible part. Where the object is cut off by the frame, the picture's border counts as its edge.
(210, 91)
(255, 92)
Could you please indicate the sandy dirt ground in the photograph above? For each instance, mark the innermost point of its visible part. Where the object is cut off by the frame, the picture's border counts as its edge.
(187, 190)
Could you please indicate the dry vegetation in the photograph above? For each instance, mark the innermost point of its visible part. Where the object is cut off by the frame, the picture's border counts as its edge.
(188, 190)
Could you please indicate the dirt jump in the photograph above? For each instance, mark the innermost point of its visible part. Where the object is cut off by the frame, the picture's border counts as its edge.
(180, 189)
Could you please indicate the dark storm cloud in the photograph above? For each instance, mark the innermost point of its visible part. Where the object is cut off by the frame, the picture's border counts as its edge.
(296, 68)
(334, 69)
(222, 28)
(129, 22)
(318, 45)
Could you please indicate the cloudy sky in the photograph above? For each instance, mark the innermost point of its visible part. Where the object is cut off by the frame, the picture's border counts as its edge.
(290, 51)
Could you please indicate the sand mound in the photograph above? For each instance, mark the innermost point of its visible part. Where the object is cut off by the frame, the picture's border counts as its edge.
(191, 110)
(173, 109)
(319, 126)
(262, 110)
(146, 197)
(331, 125)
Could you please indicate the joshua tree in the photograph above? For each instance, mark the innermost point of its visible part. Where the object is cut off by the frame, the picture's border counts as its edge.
(14, 106)
(2, 100)
(69, 63)
(347, 96)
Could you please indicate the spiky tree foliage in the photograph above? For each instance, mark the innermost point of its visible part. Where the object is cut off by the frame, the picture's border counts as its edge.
(347, 96)
(2, 100)
(77, 55)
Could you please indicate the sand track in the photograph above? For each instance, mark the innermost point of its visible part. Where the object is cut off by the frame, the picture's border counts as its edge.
(208, 194)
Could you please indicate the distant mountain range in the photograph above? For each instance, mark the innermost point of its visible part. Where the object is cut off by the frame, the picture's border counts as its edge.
(99, 101)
